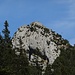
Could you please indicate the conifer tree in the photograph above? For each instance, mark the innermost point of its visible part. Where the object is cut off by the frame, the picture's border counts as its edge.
(6, 32)
(5, 51)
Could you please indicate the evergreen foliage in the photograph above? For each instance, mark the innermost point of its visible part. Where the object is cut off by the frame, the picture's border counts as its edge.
(6, 32)
(12, 64)
(5, 51)
(64, 64)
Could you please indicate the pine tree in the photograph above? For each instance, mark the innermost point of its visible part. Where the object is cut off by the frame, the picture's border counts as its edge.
(6, 32)
(5, 51)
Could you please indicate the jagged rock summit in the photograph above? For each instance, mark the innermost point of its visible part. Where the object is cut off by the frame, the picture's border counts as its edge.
(40, 43)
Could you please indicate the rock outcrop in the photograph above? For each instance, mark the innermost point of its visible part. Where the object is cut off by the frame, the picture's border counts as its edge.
(40, 43)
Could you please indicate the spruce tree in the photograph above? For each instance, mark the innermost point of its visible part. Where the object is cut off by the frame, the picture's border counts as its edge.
(5, 51)
(6, 32)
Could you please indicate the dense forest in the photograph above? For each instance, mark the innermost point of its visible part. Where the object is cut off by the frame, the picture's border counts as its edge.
(12, 64)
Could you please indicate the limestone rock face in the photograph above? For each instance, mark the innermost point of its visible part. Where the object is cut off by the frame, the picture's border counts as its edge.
(40, 43)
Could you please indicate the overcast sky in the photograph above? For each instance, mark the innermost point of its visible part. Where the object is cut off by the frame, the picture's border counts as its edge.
(58, 15)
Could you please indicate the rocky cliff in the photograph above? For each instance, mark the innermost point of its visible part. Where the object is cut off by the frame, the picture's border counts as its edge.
(40, 43)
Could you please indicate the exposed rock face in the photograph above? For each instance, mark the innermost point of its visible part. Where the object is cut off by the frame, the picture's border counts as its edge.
(40, 43)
